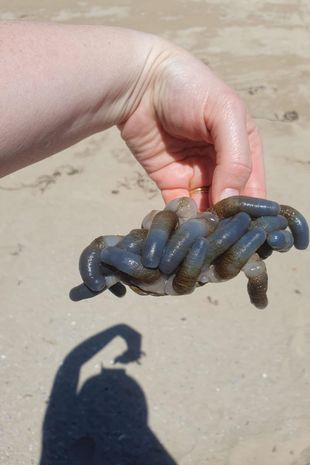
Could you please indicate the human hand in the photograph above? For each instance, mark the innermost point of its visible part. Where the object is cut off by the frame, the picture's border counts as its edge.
(190, 130)
(184, 125)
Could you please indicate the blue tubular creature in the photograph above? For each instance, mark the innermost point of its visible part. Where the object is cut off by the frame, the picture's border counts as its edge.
(205, 250)
(179, 249)
(182, 239)
(96, 276)
(161, 228)
(298, 226)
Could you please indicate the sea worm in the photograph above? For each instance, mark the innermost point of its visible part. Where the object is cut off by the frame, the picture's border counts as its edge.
(298, 225)
(270, 223)
(82, 292)
(255, 271)
(129, 263)
(226, 234)
(228, 265)
(253, 206)
(264, 251)
(183, 238)
(160, 230)
(186, 276)
(95, 275)
(179, 249)
(204, 251)
(134, 241)
(282, 241)
(184, 207)
(147, 220)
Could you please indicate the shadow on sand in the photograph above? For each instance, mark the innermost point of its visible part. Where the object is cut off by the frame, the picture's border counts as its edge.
(105, 422)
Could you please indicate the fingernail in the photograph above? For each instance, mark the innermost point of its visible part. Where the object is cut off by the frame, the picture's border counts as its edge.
(228, 193)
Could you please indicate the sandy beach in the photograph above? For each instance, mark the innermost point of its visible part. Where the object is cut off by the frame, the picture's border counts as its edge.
(219, 382)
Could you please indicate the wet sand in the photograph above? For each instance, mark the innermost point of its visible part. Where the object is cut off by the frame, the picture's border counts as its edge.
(220, 382)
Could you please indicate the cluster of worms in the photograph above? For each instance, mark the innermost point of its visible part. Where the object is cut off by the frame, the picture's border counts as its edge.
(179, 249)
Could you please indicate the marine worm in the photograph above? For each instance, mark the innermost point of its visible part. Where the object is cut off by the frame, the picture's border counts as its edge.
(94, 274)
(147, 220)
(128, 263)
(179, 249)
(264, 251)
(253, 206)
(186, 276)
(82, 292)
(183, 238)
(270, 223)
(298, 225)
(282, 241)
(255, 271)
(160, 230)
(118, 289)
(226, 234)
(228, 265)
(211, 217)
(204, 251)
(184, 207)
(134, 241)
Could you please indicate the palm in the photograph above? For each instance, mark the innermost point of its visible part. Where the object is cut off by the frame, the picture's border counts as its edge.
(176, 164)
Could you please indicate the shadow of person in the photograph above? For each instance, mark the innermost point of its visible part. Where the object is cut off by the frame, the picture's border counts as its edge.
(105, 422)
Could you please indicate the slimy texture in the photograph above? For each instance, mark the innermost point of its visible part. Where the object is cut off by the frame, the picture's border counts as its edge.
(187, 275)
(255, 271)
(118, 289)
(147, 220)
(181, 241)
(264, 251)
(226, 234)
(228, 265)
(298, 225)
(282, 241)
(128, 263)
(184, 207)
(134, 241)
(93, 272)
(270, 223)
(179, 249)
(82, 292)
(252, 206)
(160, 230)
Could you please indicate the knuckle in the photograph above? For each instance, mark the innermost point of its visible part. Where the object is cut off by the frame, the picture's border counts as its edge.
(233, 104)
(241, 170)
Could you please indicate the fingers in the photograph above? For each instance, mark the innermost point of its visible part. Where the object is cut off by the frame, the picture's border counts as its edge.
(171, 194)
(201, 198)
(197, 135)
(172, 180)
(239, 166)
(191, 177)
(256, 186)
(201, 181)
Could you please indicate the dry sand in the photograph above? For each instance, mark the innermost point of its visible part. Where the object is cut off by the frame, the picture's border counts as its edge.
(220, 383)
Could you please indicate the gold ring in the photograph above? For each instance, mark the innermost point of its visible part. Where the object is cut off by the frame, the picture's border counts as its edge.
(199, 190)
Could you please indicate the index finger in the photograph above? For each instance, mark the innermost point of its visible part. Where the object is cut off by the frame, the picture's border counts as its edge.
(256, 185)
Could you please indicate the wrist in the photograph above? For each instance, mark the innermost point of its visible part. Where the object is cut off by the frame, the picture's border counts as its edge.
(144, 57)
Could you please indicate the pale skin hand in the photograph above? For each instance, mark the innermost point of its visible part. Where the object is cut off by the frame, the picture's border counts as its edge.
(192, 130)
(60, 84)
